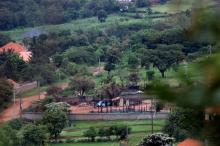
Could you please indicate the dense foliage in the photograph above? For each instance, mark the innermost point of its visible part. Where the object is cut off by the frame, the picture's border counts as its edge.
(55, 118)
(6, 93)
(34, 12)
(34, 135)
(121, 132)
(11, 66)
(184, 123)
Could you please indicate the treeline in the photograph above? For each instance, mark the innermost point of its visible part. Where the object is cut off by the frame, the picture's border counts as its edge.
(25, 13)
(62, 54)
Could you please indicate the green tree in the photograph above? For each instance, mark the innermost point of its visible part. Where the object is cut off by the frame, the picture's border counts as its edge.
(6, 92)
(55, 118)
(16, 124)
(149, 11)
(133, 61)
(142, 3)
(82, 84)
(4, 39)
(90, 133)
(8, 136)
(164, 57)
(54, 91)
(112, 58)
(111, 90)
(34, 135)
(185, 122)
(150, 75)
(134, 78)
(11, 65)
(102, 15)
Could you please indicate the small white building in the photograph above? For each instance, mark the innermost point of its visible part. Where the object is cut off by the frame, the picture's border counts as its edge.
(125, 1)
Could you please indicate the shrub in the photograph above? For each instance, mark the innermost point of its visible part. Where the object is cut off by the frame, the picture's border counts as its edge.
(16, 124)
(157, 139)
(55, 118)
(159, 106)
(33, 135)
(90, 133)
(54, 91)
(122, 131)
(150, 75)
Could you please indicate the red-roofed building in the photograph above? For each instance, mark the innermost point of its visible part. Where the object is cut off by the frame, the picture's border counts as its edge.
(19, 49)
(191, 142)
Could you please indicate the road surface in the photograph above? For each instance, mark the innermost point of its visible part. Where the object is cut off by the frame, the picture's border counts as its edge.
(14, 111)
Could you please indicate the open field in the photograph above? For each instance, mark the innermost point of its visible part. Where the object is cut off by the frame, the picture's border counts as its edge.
(81, 24)
(176, 6)
(140, 128)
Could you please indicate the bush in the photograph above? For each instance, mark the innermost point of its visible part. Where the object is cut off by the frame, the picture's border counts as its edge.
(54, 91)
(159, 106)
(157, 139)
(150, 75)
(16, 124)
(8, 136)
(105, 132)
(33, 135)
(122, 131)
(91, 134)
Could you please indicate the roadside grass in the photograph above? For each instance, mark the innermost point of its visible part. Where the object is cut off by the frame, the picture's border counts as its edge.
(41, 89)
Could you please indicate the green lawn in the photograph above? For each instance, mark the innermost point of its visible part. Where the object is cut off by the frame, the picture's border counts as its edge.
(140, 128)
(87, 144)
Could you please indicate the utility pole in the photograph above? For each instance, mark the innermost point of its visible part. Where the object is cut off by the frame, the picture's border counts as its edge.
(38, 86)
(14, 94)
(152, 116)
(210, 50)
(99, 64)
(186, 68)
(20, 107)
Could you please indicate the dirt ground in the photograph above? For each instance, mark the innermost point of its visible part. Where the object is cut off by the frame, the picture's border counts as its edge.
(14, 110)
(83, 109)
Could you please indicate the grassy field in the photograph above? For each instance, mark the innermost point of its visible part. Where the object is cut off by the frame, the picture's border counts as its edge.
(80, 24)
(140, 128)
(176, 6)
(172, 7)
(84, 24)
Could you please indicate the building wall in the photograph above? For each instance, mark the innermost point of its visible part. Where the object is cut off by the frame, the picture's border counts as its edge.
(20, 88)
(103, 116)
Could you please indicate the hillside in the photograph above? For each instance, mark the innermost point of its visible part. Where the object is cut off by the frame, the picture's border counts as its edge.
(102, 65)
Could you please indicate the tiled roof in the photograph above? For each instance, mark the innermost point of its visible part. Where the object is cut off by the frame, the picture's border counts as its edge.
(190, 142)
(19, 49)
(14, 47)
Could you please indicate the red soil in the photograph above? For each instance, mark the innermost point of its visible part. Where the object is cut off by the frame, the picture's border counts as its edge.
(88, 108)
(13, 111)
